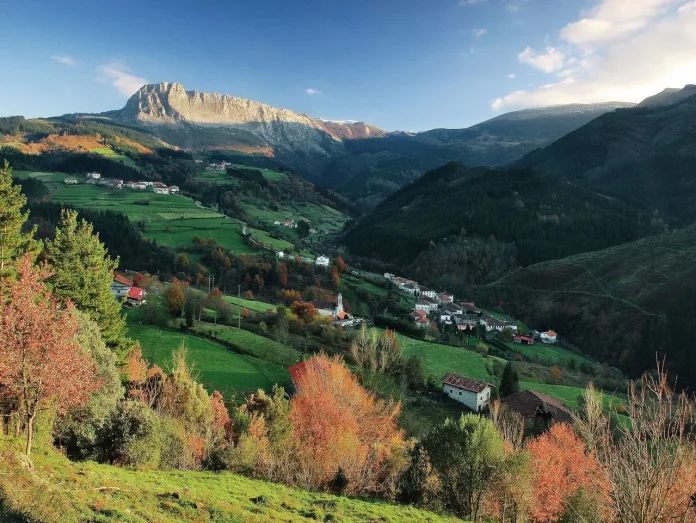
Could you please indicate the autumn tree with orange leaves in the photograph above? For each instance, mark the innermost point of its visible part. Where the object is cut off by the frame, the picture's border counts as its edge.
(562, 469)
(41, 363)
(341, 426)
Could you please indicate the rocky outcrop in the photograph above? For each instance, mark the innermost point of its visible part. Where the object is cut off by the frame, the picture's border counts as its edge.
(170, 104)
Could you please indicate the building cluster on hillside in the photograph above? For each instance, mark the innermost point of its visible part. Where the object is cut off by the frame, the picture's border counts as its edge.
(320, 261)
(218, 166)
(442, 309)
(123, 290)
(292, 224)
(117, 183)
(335, 311)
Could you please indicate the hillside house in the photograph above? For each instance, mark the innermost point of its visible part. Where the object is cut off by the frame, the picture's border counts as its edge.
(120, 286)
(173, 189)
(118, 182)
(420, 319)
(411, 287)
(161, 190)
(159, 184)
(71, 180)
(322, 261)
(523, 340)
(93, 176)
(428, 293)
(548, 337)
(444, 297)
(426, 304)
(490, 324)
(135, 297)
(389, 276)
(469, 306)
(472, 393)
(444, 317)
(538, 409)
(452, 309)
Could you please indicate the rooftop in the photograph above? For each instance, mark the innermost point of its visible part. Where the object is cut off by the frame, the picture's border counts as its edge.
(461, 382)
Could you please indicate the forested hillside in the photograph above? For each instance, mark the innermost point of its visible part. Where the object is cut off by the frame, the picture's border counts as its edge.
(537, 218)
(622, 305)
(645, 154)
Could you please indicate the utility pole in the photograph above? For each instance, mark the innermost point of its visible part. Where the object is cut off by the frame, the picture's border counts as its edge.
(239, 307)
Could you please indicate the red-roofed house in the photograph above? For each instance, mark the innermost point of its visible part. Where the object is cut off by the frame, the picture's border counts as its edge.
(472, 393)
(135, 296)
(444, 298)
(548, 337)
(524, 340)
(120, 286)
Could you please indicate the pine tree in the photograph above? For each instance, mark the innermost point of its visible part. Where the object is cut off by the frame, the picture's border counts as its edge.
(510, 382)
(13, 243)
(83, 272)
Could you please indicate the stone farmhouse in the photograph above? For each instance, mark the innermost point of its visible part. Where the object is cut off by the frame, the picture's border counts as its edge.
(472, 393)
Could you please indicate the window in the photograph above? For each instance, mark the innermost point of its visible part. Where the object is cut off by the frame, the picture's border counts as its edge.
(460, 392)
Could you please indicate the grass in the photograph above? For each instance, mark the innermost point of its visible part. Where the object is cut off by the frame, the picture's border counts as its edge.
(59, 490)
(359, 283)
(112, 155)
(547, 354)
(218, 367)
(570, 396)
(252, 305)
(439, 359)
(260, 346)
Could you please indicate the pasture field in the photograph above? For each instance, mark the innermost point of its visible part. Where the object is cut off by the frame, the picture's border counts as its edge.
(359, 283)
(252, 305)
(113, 155)
(440, 359)
(217, 367)
(547, 354)
(62, 490)
(170, 219)
(319, 216)
(260, 346)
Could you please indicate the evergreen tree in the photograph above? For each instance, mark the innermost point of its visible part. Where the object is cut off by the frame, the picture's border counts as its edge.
(510, 382)
(83, 272)
(13, 243)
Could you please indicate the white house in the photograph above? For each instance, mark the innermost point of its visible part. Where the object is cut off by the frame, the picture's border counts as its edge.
(161, 190)
(120, 286)
(490, 323)
(425, 304)
(548, 337)
(70, 181)
(429, 293)
(322, 261)
(93, 176)
(173, 189)
(444, 297)
(412, 288)
(472, 393)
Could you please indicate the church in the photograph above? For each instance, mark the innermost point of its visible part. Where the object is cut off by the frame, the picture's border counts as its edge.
(333, 310)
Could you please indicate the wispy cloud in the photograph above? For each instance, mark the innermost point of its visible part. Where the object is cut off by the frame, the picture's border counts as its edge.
(119, 75)
(64, 59)
(312, 92)
(621, 50)
(463, 3)
(511, 76)
(478, 33)
(550, 61)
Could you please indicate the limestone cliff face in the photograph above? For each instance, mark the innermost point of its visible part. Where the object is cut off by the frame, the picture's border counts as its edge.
(171, 104)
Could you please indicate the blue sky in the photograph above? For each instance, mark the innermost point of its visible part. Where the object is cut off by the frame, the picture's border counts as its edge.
(398, 64)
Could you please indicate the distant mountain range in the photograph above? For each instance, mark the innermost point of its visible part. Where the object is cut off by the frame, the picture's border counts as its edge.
(358, 159)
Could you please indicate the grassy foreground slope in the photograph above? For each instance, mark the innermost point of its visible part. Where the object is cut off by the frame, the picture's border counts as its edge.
(59, 490)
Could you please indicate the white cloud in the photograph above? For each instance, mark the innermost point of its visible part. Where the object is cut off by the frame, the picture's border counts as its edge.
(548, 62)
(120, 77)
(511, 76)
(653, 48)
(612, 20)
(63, 59)
(469, 2)
(312, 92)
(478, 33)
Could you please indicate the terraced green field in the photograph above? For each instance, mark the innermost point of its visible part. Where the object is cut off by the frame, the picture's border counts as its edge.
(218, 367)
(252, 305)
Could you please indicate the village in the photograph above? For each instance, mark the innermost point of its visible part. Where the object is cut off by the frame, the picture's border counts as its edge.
(117, 183)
